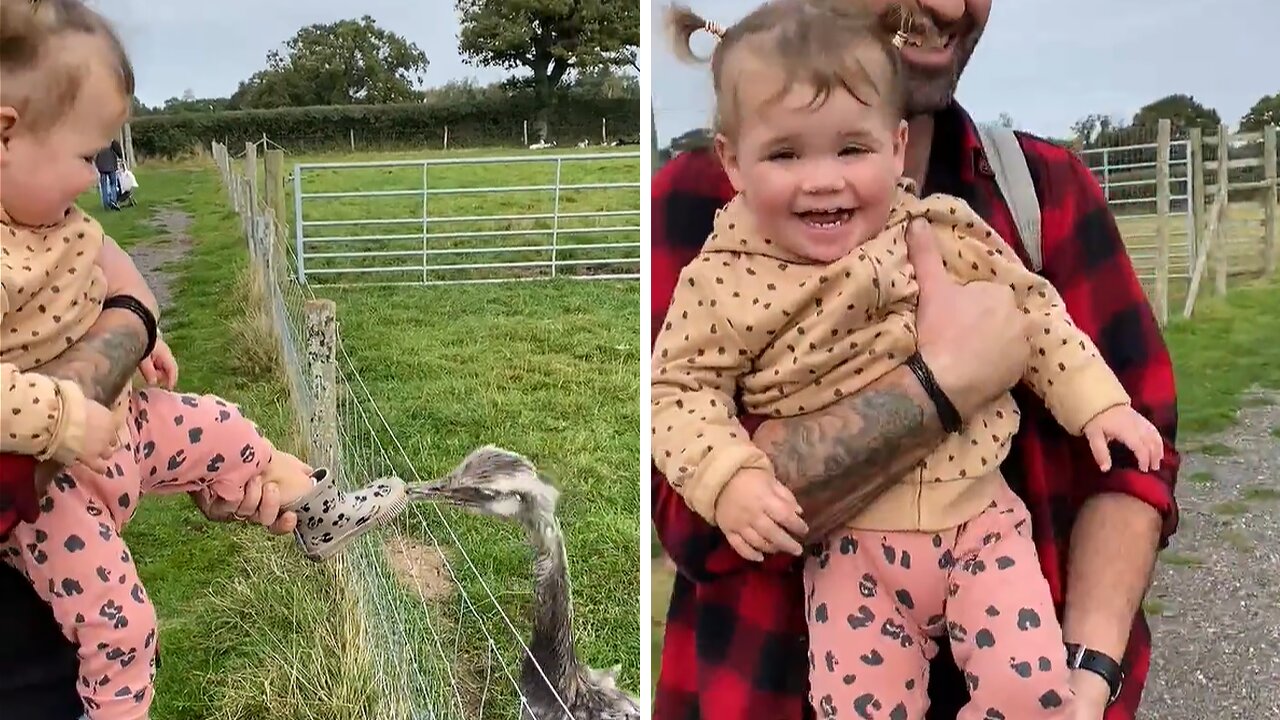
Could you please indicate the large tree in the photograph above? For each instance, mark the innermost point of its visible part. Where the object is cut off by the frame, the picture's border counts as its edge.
(1183, 112)
(348, 62)
(549, 38)
(1263, 113)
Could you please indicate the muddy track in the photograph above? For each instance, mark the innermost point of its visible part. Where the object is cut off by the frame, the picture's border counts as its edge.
(157, 256)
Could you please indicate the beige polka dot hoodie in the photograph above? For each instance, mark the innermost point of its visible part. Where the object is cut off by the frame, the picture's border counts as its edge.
(51, 292)
(753, 326)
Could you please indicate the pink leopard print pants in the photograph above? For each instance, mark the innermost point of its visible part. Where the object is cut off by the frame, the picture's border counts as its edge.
(76, 560)
(876, 600)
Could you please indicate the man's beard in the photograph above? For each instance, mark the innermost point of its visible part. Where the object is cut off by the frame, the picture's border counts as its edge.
(930, 90)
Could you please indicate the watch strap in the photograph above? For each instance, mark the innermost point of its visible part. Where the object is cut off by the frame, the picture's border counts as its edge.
(1080, 657)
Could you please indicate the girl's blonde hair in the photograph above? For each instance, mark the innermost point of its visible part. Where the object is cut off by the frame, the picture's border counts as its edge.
(825, 44)
(42, 70)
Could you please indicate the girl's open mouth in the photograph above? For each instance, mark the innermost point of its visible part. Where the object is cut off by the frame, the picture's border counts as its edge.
(825, 219)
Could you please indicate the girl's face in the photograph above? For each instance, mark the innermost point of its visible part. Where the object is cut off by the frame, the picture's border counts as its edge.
(821, 179)
(44, 170)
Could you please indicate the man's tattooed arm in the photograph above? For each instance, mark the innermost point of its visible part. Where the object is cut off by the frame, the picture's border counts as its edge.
(838, 461)
(102, 361)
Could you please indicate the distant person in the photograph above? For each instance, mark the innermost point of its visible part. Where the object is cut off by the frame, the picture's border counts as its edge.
(108, 162)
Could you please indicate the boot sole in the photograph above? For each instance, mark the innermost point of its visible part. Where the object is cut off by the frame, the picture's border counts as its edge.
(396, 504)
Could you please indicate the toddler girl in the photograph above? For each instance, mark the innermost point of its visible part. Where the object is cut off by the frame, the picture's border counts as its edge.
(65, 90)
(803, 294)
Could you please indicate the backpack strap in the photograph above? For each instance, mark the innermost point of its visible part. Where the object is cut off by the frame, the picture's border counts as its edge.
(1009, 165)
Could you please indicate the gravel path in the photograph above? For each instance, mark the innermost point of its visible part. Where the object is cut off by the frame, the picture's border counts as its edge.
(1215, 602)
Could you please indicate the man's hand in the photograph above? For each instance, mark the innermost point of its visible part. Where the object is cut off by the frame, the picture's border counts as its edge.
(160, 367)
(758, 515)
(973, 337)
(261, 505)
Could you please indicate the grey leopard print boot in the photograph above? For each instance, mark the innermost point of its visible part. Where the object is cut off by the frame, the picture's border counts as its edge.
(329, 518)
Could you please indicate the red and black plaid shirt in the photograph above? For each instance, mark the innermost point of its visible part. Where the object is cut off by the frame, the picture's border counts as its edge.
(17, 491)
(735, 645)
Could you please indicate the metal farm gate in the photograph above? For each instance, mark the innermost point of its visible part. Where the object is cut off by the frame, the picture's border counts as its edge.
(1128, 176)
(468, 219)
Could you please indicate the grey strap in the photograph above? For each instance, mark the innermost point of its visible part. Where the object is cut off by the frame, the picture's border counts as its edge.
(1009, 165)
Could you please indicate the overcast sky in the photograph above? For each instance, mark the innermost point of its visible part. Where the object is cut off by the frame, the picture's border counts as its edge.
(211, 45)
(1050, 62)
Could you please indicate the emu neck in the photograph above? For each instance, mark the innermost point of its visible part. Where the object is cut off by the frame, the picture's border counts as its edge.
(552, 642)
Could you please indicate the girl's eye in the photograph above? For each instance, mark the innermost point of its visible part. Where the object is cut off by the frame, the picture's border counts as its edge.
(852, 150)
(781, 155)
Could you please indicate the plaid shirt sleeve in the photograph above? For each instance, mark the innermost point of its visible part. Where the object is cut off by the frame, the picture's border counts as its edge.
(686, 193)
(1086, 259)
(18, 501)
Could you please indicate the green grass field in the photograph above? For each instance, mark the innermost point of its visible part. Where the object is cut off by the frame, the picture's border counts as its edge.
(549, 369)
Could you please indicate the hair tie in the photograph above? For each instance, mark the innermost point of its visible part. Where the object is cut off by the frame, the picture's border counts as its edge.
(901, 38)
(715, 29)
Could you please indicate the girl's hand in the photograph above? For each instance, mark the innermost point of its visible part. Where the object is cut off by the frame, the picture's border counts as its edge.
(1126, 426)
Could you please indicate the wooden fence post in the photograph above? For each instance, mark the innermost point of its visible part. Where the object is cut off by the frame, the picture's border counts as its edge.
(127, 142)
(1162, 220)
(1222, 248)
(275, 188)
(1195, 147)
(322, 359)
(1271, 234)
(251, 172)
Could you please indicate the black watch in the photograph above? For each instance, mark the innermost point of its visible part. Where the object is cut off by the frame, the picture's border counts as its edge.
(1080, 657)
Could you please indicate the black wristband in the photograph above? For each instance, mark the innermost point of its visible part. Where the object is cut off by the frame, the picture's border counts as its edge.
(947, 413)
(135, 306)
(1083, 658)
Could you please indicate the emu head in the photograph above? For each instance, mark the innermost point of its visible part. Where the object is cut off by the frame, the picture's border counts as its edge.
(498, 482)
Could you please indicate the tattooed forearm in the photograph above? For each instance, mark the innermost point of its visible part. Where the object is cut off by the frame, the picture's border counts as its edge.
(102, 362)
(838, 461)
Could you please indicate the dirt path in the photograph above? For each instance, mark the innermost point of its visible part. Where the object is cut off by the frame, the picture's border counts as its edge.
(1215, 603)
(156, 257)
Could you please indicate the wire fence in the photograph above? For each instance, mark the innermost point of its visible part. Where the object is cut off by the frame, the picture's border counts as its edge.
(439, 642)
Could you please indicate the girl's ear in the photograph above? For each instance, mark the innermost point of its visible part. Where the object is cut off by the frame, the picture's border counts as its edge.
(8, 120)
(900, 148)
(728, 154)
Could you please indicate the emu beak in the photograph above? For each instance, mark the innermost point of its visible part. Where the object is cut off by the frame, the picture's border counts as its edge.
(432, 492)
(442, 493)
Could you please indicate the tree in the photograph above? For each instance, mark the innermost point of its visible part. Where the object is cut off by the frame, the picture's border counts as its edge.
(606, 81)
(349, 62)
(189, 103)
(1182, 111)
(1005, 120)
(1096, 129)
(549, 38)
(1263, 113)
